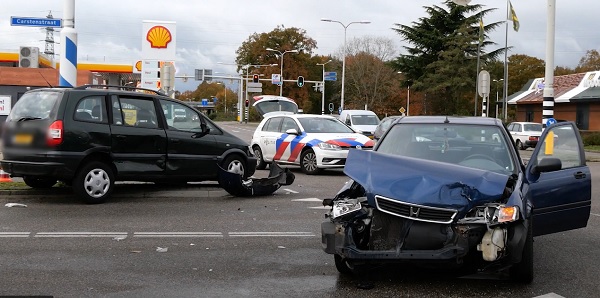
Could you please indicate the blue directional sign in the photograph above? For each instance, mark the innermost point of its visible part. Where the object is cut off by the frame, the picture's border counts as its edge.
(35, 22)
(330, 76)
(550, 121)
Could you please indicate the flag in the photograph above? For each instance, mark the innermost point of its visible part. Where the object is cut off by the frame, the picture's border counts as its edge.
(514, 18)
(481, 31)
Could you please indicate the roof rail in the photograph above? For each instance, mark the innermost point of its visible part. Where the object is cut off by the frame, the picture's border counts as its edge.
(125, 88)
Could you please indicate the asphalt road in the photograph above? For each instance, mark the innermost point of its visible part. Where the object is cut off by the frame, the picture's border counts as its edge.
(198, 241)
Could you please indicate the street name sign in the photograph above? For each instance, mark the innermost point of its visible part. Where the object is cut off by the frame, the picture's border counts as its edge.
(35, 22)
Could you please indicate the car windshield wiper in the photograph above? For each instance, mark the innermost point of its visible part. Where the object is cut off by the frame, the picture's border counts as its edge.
(27, 118)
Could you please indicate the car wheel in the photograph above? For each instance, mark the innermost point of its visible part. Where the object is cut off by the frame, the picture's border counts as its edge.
(342, 265)
(260, 162)
(308, 162)
(39, 182)
(520, 145)
(523, 271)
(94, 182)
(234, 164)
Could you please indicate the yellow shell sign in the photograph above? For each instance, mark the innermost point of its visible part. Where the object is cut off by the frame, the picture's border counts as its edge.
(159, 37)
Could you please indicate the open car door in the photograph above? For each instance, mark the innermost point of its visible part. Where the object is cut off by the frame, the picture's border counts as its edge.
(559, 180)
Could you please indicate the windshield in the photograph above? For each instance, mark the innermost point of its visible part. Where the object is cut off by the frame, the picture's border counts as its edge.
(533, 127)
(35, 105)
(365, 120)
(324, 125)
(476, 146)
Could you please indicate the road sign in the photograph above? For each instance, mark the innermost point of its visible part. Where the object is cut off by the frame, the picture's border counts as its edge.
(483, 83)
(254, 89)
(254, 85)
(330, 76)
(331, 107)
(276, 78)
(402, 110)
(550, 121)
(35, 22)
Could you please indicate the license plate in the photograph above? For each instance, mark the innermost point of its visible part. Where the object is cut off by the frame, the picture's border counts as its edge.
(23, 139)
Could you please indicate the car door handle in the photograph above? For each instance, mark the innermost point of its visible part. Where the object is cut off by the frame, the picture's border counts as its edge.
(579, 175)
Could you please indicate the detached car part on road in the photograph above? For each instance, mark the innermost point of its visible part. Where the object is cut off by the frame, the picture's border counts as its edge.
(454, 191)
(91, 136)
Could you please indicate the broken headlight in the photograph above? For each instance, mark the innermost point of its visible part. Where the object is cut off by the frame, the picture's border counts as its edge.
(501, 214)
(344, 207)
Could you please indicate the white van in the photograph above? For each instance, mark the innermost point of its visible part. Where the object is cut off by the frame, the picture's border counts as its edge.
(362, 121)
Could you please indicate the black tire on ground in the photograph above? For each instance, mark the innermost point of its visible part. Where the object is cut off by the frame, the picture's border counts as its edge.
(94, 182)
(235, 164)
(39, 182)
(342, 265)
(308, 162)
(260, 162)
(520, 145)
(523, 271)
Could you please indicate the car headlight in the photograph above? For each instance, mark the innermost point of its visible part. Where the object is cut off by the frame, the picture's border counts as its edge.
(508, 213)
(341, 208)
(328, 146)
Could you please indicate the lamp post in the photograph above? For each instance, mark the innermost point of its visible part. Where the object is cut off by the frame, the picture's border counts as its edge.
(281, 70)
(407, 98)
(497, 81)
(323, 88)
(225, 91)
(344, 51)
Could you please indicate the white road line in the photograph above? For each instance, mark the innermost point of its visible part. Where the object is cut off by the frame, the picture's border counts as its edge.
(594, 214)
(271, 234)
(14, 234)
(292, 191)
(79, 234)
(321, 207)
(308, 200)
(178, 234)
(549, 295)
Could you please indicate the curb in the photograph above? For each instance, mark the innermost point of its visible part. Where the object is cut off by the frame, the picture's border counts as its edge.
(125, 191)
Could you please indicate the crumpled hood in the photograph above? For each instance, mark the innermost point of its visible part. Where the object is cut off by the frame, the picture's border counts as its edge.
(423, 182)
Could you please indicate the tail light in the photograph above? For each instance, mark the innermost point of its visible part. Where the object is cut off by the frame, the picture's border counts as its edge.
(55, 133)
(532, 138)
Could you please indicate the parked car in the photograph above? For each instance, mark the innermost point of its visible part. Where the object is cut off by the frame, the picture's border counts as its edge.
(384, 125)
(454, 191)
(525, 134)
(313, 142)
(362, 121)
(89, 138)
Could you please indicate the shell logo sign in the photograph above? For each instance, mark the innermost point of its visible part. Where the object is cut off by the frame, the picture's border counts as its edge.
(159, 37)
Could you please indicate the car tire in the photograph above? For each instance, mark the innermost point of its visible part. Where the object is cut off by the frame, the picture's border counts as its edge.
(308, 162)
(94, 182)
(520, 145)
(342, 265)
(523, 271)
(235, 164)
(260, 162)
(39, 182)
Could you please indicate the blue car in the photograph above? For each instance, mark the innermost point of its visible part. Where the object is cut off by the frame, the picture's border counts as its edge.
(454, 191)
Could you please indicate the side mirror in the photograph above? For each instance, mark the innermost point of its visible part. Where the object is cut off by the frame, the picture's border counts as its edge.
(204, 131)
(292, 131)
(547, 164)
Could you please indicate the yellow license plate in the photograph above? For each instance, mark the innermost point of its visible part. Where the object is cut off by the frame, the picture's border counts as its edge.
(23, 139)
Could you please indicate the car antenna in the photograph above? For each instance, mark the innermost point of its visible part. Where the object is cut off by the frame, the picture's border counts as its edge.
(446, 121)
(45, 79)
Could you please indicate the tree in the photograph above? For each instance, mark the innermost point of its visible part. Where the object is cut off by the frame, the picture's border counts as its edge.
(589, 62)
(433, 38)
(253, 51)
(522, 68)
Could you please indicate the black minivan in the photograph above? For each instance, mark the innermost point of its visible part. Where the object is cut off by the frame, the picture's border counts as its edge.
(90, 137)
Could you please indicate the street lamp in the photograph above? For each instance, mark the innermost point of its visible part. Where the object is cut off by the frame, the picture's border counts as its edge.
(225, 90)
(497, 81)
(407, 98)
(281, 71)
(323, 88)
(344, 56)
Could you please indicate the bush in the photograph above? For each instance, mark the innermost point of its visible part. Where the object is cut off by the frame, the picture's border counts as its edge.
(591, 138)
(212, 116)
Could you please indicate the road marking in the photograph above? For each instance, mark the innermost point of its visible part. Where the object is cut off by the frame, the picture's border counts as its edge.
(14, 234)
(594, 214)
(292, 191)
(80, 234)
(308, 200)
(549, 295)
(178, 234)
(271, 234)
(320, 207)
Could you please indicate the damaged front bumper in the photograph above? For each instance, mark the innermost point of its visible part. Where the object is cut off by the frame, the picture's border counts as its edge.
(235, 185)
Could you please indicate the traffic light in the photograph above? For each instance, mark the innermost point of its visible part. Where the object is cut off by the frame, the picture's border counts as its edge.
(247, 102)
(255, 80)
(300, 81)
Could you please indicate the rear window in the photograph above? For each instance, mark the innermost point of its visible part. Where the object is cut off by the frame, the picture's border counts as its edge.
(364, 120)
(533, 127)
(35, 105)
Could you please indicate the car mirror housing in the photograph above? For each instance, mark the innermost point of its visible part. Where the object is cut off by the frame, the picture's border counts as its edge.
(547, 164)
(291, 131)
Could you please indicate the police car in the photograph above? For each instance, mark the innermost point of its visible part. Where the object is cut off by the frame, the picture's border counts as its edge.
(313, 142)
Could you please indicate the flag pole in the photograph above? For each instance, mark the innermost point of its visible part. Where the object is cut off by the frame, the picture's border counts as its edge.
(477, 70)
(505, 95)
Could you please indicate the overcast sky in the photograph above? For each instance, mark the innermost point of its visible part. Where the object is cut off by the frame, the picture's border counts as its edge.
(211, 31)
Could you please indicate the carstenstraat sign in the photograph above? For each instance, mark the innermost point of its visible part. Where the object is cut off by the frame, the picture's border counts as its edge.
(5, 105)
